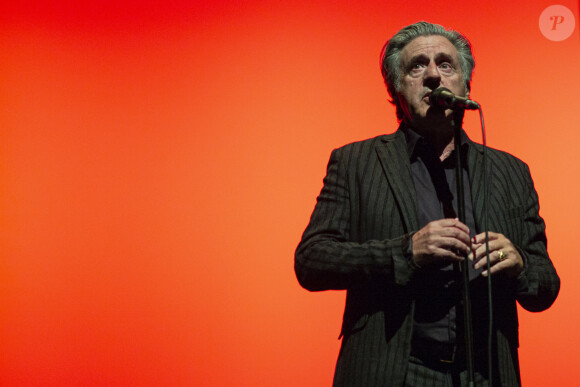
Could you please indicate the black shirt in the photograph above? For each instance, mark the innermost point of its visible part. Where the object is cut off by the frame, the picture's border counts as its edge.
(437, 289)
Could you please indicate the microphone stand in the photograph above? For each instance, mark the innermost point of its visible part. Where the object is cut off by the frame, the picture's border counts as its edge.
(457, 123)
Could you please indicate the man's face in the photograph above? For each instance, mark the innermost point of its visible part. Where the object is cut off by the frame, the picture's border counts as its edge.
(428, 62)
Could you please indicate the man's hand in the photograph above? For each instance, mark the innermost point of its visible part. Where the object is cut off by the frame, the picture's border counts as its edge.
(503, 256)
(441, 240)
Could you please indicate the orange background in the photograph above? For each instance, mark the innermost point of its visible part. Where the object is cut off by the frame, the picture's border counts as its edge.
(160, 160)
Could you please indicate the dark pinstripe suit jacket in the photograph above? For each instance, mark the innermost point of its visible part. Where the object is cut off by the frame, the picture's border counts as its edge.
(358, 239)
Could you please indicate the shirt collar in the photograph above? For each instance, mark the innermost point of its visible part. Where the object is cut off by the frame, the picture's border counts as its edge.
(413, 138)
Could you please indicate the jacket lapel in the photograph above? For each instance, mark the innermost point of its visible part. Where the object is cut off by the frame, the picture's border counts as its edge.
(476, 172)
(394, 159)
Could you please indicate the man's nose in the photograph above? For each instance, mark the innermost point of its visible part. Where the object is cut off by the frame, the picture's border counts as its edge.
(432, 77)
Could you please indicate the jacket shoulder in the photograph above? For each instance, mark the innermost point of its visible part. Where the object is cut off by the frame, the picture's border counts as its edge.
(501, 158)
(371, 143)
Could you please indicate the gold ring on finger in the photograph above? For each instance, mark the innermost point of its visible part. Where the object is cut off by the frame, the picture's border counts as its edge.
(501, 255)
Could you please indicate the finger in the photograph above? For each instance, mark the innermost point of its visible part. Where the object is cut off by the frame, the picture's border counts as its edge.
(480, 238)
(478, 251)
(460, 225)
(457, 233)
(495, 251)
(455, 244)
(495, 257)
(497, 267)
(450, 222)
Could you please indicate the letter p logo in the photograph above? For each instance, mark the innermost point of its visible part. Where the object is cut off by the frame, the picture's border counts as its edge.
(557, 20)
(557, 23)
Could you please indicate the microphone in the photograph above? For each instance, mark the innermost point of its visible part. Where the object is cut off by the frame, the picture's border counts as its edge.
(444, 98)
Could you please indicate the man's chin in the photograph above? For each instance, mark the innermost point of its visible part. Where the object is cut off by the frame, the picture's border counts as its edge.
(435, 113)
(434, 116)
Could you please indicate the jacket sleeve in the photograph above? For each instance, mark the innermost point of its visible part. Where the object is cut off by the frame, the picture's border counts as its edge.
(326, 257)
(538, 285)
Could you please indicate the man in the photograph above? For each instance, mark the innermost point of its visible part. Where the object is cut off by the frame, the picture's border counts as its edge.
(385, 229)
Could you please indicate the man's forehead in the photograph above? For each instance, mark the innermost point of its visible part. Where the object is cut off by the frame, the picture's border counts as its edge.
(430, 45)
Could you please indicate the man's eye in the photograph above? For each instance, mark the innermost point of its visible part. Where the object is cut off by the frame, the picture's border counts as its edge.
(445, 66)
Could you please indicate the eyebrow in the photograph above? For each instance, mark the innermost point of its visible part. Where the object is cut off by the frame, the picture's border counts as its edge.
(445, 57)
(440, 57)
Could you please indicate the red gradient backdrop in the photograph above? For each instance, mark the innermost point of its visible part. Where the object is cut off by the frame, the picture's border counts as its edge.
(160, 160)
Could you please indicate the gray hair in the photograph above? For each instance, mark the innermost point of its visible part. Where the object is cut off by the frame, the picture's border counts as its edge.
(391, 55)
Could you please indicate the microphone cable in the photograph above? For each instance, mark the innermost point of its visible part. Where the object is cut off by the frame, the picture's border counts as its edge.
(488, 263)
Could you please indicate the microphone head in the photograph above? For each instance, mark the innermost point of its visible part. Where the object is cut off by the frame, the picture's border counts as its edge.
(442, 97)
(445, 99)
